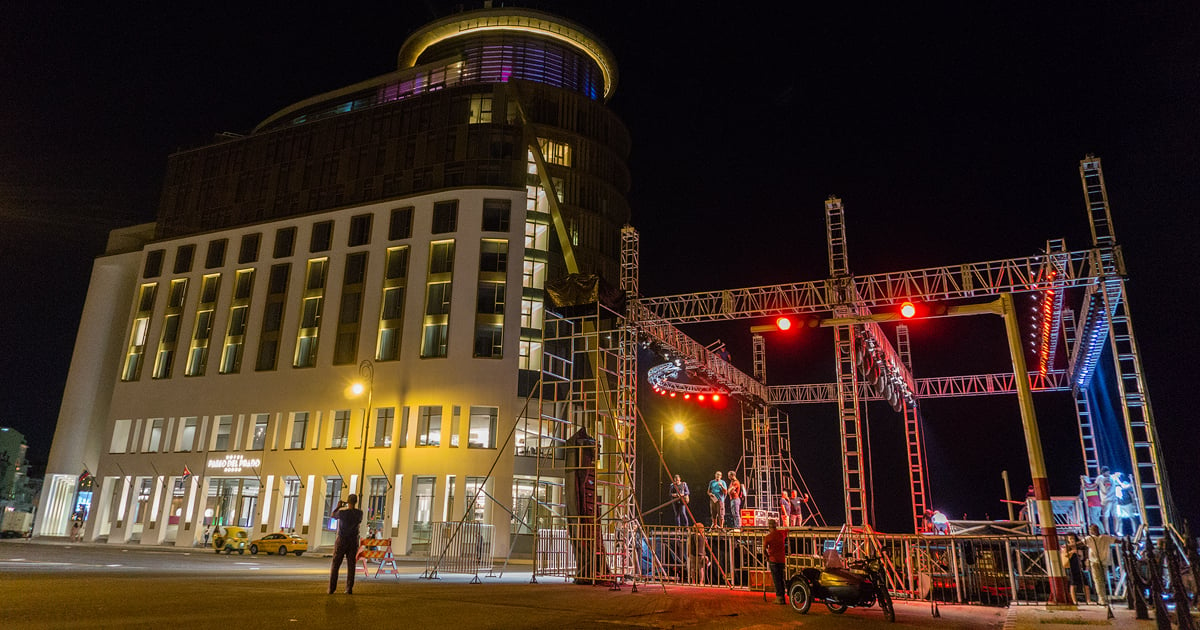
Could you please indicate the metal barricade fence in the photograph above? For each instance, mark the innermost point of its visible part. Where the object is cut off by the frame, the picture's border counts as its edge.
(989, 570)
(464, 548)
(554, 553)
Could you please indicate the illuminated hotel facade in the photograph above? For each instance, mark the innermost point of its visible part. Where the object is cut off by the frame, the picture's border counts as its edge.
(408, 223)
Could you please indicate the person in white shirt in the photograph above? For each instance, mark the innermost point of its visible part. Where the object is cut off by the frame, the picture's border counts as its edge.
(1099, 545)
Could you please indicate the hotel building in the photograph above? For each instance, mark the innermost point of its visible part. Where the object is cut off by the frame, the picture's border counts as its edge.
(398, 234)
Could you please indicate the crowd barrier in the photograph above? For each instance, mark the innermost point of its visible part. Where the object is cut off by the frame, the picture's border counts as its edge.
(984, 569)
(377, 550)
(464, 548)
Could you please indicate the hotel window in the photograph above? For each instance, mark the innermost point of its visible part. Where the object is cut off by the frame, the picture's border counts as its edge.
(445, 216)
(322, 237)
(481, 109)
(145, 485)
(235, 333)
(258, 439)
(249, 250)
(198, 353)
(216, 253)
(384, 421)
(429, 426)
(333, 494)
(183, 258)
(272, 321)
(496, 214)
(120, 436)
(164, 361)
(154, 436)
(391, 317)
(482, 427)
(137, 333)
(476, 499)
(345, 347)
(400, 225)
(436, 325)
(555, 152)
(299, 430)
(455, 425)
(422, 510)
(291, 501)
(187, 435)
(224, 430)
(154, 262)
(285, 242)
(341, 428)
(360, 230)
(376, 502)
(310, 314)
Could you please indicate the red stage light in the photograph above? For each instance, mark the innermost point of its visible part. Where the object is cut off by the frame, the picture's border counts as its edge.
(700, 397)
(672, 394)
(907, 309)
(716, 397)
(687, 396)
(783, 323)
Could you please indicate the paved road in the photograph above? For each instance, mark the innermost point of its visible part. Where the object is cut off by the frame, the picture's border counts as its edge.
(48, 585)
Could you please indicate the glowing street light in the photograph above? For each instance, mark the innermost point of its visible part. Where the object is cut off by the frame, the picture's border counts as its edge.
(366, 370)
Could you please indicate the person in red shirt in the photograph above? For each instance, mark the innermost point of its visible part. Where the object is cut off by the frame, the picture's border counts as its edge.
(733, 517)
(775, 546)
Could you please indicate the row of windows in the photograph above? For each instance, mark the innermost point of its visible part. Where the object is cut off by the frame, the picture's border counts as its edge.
(300, 430)
(489, 309)
(495, 218)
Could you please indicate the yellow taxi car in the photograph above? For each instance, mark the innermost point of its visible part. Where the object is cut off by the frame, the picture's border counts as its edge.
(230, 539)
(279, 543)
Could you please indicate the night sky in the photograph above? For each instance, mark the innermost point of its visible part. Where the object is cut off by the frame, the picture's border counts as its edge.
(952, 134)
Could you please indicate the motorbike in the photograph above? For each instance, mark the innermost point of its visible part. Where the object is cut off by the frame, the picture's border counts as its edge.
(860, 583)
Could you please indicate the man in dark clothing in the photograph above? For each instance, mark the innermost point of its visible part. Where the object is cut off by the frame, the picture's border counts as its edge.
(681, 495)
(775, 546)
(346, 546)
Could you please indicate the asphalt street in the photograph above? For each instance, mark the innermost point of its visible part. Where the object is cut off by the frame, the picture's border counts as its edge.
(57, 585)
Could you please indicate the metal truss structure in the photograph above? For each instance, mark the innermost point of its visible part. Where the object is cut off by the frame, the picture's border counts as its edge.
(851, 304)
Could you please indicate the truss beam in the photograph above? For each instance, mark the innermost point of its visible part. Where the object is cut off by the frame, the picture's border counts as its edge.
(937, 387)
(971, 280)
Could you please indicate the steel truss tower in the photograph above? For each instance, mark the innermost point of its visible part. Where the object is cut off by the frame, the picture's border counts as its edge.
(1099, 271)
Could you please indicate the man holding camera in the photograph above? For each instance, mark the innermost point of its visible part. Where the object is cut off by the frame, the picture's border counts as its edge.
(346, 547)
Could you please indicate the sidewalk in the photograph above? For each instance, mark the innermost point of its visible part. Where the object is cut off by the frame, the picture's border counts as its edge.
(1031, 617)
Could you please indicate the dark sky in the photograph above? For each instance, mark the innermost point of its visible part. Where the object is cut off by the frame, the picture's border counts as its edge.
(952, 133)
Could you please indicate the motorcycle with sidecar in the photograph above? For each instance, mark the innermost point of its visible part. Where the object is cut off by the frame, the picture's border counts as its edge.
(840, 585)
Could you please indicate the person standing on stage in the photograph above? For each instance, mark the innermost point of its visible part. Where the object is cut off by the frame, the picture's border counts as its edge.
(1108, 501)
(733, 518)
(681, 496)
(716, 500)
(785, 508)
(775, 548)
(1091, 499)
(349, 519)
(797, 508)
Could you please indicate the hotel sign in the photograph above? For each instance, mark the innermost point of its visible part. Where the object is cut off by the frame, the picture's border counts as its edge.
(234, 463)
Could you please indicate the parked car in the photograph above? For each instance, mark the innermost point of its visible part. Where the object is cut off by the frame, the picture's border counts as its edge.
(12, 533)
(279, 543)
(231, 539)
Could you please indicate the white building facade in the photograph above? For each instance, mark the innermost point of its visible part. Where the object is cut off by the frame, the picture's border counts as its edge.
(397, 234)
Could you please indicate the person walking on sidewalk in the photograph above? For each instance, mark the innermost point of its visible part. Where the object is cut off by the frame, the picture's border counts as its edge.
(775, 547)
(346, 546)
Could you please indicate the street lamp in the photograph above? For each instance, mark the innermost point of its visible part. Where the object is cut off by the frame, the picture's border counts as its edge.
(366, 370)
